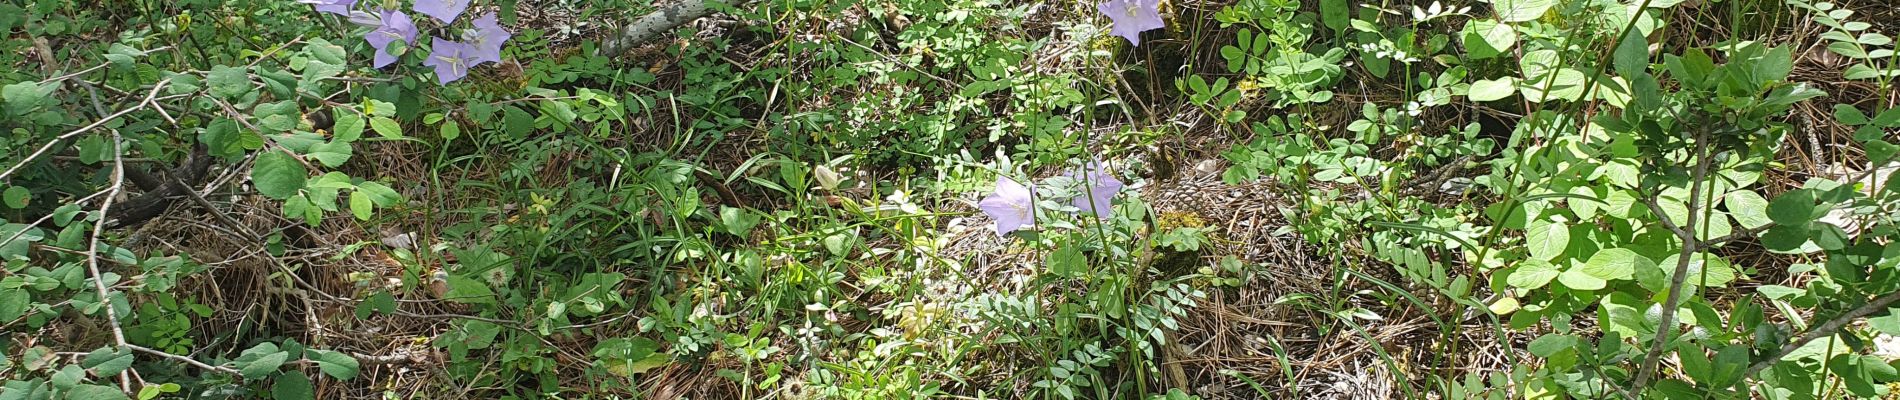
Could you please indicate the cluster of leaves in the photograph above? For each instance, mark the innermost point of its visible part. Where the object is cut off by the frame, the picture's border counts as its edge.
(1624, 218)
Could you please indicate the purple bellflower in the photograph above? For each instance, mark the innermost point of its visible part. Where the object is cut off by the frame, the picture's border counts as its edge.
(1132, 17)
(365, 18)
(1102, 187)
(451, 59)
(338, 7)
(1012, 205)
(487, 38)
(394, 26)
(442, 10)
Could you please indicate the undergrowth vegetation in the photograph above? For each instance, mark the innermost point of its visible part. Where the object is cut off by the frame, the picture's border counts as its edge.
(806, 199)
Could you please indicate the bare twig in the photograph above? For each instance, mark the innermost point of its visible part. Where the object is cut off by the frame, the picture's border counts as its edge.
(183, 359)
(92, 251)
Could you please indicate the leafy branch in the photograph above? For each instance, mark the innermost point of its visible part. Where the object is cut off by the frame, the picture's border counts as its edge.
(1826, 329)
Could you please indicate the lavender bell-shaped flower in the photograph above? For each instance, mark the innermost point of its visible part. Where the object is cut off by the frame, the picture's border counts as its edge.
(1132, 17)
(1102, 187)
(487, 38)
(1012, 206)
(442, 10)
(451, 59)
(394, 26)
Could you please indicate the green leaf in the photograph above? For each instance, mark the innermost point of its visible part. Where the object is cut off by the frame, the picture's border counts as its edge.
(385, 127)
(1891, 117)
(276, 117)
(1775, 65)
(108, 361)
(481, 334)
(360, 206)
(1068, 261)
(323, 50)
(332, 153)
(16, 196)
(1849, 115)
(381, 302)
(463, 289)
(737, 221)
(1521, 10)
(1888, 324)
(1532, 274)
(229, 82)
(1794, 208)
(1490, 90)
(1575, 278)
(22, 98)
(68, 376)
(260, 361)
(14, 300)
(1706, 270)
(292, 386)
(627, 357)
(348, 127)
(378, 193)
(1748, 208)
(1779, 292)
(1632, 54)
(95, 392)
(1484, 38)
(1713, 225)
(1693, 66)
(1788, 239)
(518, 123)
(1550, 344)
(1566, 84)
(450, 130)
(1624, 316)
(838, 244)
(1546, 239)
(278, 175)
(335, 364)
(1616, 264)
(1829, 237)
(1335, 14)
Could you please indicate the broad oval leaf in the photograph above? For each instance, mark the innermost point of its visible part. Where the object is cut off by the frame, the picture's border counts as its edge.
(278, 175)
(1616, 264)
(1546, 239)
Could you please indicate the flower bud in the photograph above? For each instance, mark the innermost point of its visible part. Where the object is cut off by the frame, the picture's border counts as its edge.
(827, 178)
